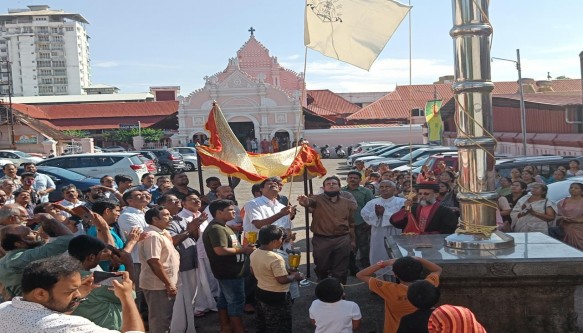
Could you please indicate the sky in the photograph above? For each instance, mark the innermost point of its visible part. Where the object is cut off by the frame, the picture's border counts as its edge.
(136, 44)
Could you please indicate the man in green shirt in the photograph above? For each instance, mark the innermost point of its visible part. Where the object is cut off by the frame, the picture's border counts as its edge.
(227, 259)
(23, 246)
(361, 229)
(102, 307)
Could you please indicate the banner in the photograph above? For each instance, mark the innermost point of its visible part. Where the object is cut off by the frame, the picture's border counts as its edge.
(353, 31)
(434, 123)
(226, 153)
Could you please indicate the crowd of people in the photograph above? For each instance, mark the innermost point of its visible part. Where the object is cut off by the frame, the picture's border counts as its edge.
(119, 255)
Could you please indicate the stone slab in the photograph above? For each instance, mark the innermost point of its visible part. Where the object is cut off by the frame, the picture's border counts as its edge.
(528, 288)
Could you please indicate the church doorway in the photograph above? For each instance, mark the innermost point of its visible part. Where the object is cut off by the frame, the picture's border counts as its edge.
(243, 130)
(283, 139)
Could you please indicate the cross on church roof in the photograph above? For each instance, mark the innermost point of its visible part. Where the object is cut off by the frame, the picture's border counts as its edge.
(251, 30)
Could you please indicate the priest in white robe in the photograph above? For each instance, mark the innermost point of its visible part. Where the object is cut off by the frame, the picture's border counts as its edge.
(377, 213)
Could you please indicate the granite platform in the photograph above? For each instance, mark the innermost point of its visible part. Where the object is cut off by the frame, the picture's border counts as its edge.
(530, 287)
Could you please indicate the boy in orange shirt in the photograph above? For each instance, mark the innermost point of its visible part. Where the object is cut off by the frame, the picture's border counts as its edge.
(407, 270)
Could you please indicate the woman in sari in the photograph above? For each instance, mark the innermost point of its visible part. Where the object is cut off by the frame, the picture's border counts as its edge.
(571, 216)
(533, 212)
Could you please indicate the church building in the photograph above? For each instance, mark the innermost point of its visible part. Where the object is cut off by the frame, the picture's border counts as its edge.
(259, 98)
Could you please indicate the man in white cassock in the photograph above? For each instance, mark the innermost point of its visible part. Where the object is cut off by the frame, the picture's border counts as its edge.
(377, 213)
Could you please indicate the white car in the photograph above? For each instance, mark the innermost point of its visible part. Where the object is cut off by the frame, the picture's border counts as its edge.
(190, 157)
(18, 157)
(99, 165)
(560, 190)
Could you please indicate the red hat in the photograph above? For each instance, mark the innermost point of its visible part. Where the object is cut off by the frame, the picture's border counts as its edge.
(454, 319)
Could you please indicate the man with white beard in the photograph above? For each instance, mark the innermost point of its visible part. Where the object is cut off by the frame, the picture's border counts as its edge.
(427, 217)
(377, 214)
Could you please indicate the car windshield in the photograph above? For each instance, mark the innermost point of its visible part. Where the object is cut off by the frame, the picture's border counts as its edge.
(22, 154)
(413, 155)
(420, 162)
(64, 173)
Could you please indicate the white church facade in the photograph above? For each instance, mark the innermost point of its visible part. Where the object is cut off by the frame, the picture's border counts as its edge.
(258, 97)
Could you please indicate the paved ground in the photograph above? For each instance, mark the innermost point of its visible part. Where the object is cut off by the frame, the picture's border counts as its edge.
(371, 305)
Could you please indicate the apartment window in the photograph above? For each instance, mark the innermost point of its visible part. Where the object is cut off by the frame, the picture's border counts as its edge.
(60, 80)
(41, 18)
(58, 63)
(2, 42)
(54, 54)
(3, 50)
(46, 81)
(43, 38)
(44, 63)
(60, 72)
(44, 55)
(57, 38)
(55, 30)
(57, 46)
(42, 30)
(45, 89)
(44, 47)
(61, 89)
(70, 29)
(45, 72)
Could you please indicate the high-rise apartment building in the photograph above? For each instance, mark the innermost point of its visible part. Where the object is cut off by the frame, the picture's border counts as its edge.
(48, 51)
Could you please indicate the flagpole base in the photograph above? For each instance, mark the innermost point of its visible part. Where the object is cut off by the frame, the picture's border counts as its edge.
(498, 240)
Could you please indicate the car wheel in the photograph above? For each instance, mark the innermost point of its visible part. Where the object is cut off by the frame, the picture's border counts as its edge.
(189, 167)
(165, 170)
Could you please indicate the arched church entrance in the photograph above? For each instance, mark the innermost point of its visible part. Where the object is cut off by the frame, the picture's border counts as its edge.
(283, 139)
(243, 130)
(199, 138)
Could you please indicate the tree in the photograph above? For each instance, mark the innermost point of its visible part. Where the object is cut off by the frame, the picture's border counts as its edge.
(149, 135)
(76, 133)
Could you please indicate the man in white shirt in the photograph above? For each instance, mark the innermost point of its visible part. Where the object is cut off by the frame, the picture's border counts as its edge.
(266, 210)
(53, 287)
(43, 184)
(377, 213)
(133, 216)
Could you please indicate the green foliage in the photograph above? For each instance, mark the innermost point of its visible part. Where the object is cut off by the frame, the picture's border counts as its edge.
(76, 133)
(562, 77)
(149, 135)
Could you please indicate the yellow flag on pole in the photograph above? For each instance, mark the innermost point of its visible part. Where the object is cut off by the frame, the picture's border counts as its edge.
(353, 31)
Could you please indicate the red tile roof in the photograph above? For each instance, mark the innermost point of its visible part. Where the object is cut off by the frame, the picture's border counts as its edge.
(546, 99)
(327, 103)
(397, 104)
(114, 110)
(99, 115)
(365, 126)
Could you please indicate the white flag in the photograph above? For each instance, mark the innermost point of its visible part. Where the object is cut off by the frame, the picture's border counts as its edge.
(353, 31)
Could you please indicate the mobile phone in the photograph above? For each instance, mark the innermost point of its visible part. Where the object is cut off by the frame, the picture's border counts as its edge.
(106, 278)
(113, 249)
(83, 212)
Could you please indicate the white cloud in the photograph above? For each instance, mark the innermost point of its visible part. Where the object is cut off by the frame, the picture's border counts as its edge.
(384, 74)
(293, 57)
(105, 64)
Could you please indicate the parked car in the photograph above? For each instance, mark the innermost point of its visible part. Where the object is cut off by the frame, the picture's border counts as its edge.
(366, 146)
(560, 190)
(190, 157)
(375, 151)
(61, 178)
(114, 149)
(18, 157)
(150, 165)
(545, 164)
(415, 156)
(393, 153)
(169, 160)
(99, 165)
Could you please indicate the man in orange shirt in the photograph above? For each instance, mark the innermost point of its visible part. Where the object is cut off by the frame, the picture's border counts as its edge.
(407, 270)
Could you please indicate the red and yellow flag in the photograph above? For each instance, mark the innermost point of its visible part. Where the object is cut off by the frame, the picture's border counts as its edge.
(226, 153)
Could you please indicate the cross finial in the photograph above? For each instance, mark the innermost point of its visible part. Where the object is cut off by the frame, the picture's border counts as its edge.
(251, 30)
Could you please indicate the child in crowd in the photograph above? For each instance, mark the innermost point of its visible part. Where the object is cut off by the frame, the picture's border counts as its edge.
(423, 295)
(407, 270)
(454, 319)
(330, 313)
